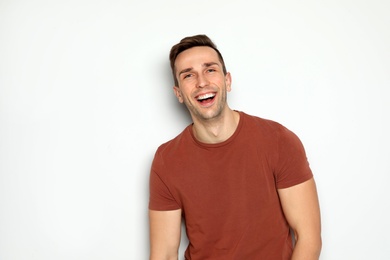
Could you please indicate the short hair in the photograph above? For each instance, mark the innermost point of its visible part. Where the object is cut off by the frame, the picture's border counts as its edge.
(190, 42)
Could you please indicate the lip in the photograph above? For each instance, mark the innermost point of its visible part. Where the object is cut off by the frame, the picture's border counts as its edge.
(208, 102)
(205, 94)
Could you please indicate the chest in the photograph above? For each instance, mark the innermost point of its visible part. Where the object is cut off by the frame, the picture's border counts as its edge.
(225, 181)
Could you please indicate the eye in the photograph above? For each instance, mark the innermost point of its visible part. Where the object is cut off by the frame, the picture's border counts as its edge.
(187, 76)
(211, 70)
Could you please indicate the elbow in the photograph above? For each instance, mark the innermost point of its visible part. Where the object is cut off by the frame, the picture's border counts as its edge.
(310, 244)
(316, 243)
(163, 256)
(317, 246)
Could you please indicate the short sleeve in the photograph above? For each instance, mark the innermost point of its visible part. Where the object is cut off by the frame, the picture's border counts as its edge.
(160, 197)
(292, 165)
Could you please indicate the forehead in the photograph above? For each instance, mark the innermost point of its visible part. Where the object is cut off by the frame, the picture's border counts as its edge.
(196, 55)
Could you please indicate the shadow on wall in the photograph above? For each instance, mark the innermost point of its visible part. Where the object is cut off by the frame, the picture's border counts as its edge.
(179, 109)
(182, 111)
(145, 214)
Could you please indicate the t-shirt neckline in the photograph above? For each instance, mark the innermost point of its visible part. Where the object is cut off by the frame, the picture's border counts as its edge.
(215, 145)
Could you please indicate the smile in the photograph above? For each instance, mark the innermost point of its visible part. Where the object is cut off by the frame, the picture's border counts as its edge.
(205, 97)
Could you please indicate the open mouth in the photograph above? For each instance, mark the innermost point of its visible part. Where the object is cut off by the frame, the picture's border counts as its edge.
(205, 98)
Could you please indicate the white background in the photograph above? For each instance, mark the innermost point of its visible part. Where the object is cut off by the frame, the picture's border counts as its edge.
(86, 98)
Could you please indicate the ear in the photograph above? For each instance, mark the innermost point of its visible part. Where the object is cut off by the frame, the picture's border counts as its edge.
(177, 92)
(228, 82)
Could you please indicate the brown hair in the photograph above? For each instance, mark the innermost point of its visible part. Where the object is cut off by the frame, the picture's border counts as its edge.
(189, 42)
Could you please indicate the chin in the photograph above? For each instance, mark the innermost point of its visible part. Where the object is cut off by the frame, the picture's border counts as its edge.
(210, 114)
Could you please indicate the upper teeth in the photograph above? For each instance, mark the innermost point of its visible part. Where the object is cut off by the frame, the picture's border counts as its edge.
(208, 95)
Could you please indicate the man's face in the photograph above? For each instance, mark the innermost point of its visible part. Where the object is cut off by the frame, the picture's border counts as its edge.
(202, 85)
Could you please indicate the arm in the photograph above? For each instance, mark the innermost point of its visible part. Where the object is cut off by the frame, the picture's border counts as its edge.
(301, 208)
(165, 228)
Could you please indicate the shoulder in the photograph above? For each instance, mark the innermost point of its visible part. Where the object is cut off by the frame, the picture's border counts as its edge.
(268, 131)
(176, 145)
(266, 126)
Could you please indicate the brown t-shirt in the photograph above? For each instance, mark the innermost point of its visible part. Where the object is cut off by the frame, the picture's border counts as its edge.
(228, 191)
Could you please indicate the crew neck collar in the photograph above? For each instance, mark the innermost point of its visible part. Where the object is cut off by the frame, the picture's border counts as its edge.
(223, 143)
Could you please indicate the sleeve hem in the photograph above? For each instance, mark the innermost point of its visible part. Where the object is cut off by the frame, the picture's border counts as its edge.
(295, 182)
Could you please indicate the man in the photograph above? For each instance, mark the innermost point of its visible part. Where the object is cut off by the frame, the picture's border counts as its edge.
(239, 182)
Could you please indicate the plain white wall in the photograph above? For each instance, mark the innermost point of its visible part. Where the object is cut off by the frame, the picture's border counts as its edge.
(86, 97)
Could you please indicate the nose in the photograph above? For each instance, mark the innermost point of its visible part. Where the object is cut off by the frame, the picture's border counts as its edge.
(202, 81)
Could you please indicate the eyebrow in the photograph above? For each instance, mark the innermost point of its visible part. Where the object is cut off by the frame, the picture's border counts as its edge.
(206, 65)
(185, 71)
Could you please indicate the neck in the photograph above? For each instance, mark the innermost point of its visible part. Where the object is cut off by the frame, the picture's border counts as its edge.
(218, 129)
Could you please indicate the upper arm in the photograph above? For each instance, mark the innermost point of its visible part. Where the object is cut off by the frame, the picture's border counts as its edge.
(165, 229)
(301, 208)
